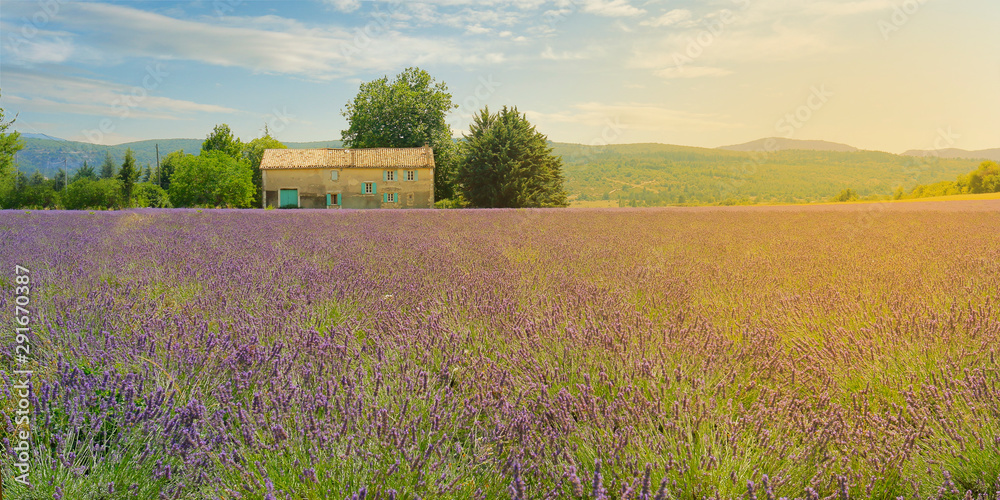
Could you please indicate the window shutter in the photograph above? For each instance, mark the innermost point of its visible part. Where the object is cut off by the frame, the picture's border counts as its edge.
(340, 199)
(363, 187)
(374, 188)
(384, 197)
(415, 174)
(328, 200)
(385, 173)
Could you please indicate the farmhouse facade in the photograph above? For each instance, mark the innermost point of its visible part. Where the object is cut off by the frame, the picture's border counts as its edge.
(348, 178)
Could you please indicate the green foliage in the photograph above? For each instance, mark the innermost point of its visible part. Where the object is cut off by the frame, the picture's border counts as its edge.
(448, 203)
(128, 175)
(62, 178)
(84, 172)
(167, 167)
(10, 144)
(88, 194)
(108, 167)
(660, 174)
(253, 152)
(212, 179)
(149, 195)
(222, 139)
(404, 113)
(846, 195)
(985, 179)
(507, 163)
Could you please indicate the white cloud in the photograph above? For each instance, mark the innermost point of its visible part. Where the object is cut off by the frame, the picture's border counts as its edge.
(478, 29)
(634, 117)
(691, 72)
(611, 8)
(566, 55)
(38, 92)
(345, 5)
(267, 44)
(671, 18)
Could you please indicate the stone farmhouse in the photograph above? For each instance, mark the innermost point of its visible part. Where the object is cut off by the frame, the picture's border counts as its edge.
(348, 178)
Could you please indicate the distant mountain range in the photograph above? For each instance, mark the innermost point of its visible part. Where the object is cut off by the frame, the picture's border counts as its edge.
(49, 154)
(983, 154)
(783, 144)
(40, 136)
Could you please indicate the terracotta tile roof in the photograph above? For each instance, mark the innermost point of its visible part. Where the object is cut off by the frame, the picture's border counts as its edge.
(348, 158)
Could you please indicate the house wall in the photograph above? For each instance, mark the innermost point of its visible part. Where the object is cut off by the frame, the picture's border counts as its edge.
(314, 184)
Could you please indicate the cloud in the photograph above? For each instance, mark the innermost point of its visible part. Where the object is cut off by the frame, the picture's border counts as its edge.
(691, 72)
(671, 18)
(345, 5)
(267, 44)
(637, 117)
(45, 93)
(552, 55)
(611, 8)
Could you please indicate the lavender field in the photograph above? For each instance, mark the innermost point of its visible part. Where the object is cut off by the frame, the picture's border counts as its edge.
(845, 351)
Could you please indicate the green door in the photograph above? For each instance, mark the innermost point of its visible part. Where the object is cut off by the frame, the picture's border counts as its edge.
(288, 197)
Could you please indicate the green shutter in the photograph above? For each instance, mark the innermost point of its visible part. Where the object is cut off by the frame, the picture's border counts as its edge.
(340, 199)
(374, 188)
(384, 175)
(415, 174)
(328, 200)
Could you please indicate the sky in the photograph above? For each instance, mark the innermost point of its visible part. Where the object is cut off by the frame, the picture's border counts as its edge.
(888, 75)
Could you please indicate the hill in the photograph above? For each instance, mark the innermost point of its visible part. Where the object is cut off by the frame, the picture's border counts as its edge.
(982, 154)
(659, 174)
(783, 144)
(644, 174)
(49, 155)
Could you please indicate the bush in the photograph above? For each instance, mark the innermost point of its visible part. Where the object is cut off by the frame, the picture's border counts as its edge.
(447, 203)
(150, 195)
(846, 195)
(212, 179)
(87, 193)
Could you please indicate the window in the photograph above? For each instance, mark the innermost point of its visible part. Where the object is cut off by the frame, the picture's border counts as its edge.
(334, 175)
(368, 188)
(332, 199)
(389, 175)
(390, 198)
(411, 175)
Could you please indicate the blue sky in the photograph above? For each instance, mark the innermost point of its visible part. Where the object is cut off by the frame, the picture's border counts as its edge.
(878, 74)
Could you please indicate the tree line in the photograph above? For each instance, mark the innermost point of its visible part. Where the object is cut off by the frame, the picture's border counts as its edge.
(503, 161)
(983, 180)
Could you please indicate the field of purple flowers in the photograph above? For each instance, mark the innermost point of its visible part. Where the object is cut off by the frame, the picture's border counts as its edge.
(765, 352)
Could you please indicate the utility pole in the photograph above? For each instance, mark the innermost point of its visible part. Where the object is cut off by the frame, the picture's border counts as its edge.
(158, 175)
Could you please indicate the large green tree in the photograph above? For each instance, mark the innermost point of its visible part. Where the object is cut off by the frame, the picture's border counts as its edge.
(505, 162)
(212, 179)
(84, 172)
(222, 139)
(108, 167)
(253, 152)
(167, 167)
(128, 175)
(10, 144)
(406, 112)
